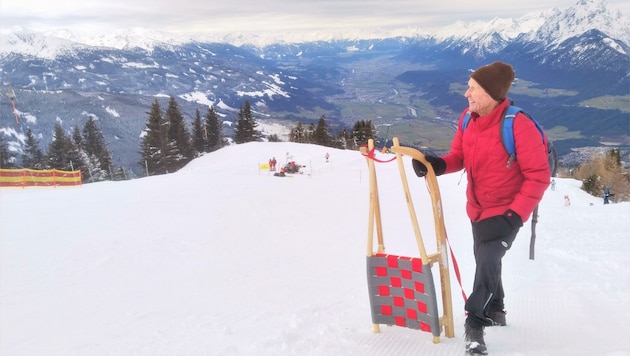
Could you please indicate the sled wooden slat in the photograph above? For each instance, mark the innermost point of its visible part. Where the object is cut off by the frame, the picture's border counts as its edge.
(399, 294)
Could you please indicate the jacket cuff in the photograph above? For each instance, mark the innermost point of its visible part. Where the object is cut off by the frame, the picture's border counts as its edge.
(439, 165)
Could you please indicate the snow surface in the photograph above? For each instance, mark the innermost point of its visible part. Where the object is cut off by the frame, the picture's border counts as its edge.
(222, 258)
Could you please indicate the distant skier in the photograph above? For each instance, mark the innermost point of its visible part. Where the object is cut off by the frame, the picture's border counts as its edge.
(553, 184)
(607, 194)
(281, 173)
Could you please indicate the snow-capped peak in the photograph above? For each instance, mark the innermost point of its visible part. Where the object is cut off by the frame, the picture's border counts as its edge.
(584, 16)
(552, 26)
(49, 44)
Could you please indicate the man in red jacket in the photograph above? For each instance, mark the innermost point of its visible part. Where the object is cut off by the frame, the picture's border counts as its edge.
(501, 192)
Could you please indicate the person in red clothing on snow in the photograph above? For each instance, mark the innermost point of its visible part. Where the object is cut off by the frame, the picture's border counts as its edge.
(501, 193)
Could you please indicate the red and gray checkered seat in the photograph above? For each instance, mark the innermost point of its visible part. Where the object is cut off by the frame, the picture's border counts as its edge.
(402, 293)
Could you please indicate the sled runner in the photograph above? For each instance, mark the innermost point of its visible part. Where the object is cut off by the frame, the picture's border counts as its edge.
(401, 289)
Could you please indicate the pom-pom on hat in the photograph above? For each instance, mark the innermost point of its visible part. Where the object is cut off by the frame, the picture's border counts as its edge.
(495, 78)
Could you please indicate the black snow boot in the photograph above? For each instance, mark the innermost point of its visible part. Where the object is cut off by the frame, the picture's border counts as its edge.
(498, 318)
(475, 345)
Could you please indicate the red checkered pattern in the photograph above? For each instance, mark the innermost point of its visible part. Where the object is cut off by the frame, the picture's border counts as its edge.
(402, 292)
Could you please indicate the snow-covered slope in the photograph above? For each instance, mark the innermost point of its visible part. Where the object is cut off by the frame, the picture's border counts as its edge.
(222, 258)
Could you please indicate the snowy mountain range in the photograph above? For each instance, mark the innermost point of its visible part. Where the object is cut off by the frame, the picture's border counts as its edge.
(572, 66)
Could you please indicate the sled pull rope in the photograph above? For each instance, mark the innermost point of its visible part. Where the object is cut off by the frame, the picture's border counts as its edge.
(372, 155)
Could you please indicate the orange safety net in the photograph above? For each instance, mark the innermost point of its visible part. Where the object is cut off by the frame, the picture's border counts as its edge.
(33, 177)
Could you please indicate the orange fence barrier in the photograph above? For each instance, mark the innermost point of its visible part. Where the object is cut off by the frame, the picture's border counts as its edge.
(34, 177)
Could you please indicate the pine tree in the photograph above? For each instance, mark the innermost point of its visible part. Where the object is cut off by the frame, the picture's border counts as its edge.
(6, 158)
(57, 157)
(320, 134)
(178, 136)
(343, 139)
(79, 160)
(155, 146)
(198, 135)
(76, 136)
(297, 133)
(362, 131)
(214, 130)
(33, 157)
(246, 126)
(613, 160)
(100, 159)
(240, 129)
(309, 133)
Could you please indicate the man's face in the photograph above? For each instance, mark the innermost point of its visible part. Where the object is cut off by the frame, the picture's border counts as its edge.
(479, 101)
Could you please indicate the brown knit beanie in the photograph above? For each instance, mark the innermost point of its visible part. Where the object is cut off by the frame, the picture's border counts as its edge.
(495, 79)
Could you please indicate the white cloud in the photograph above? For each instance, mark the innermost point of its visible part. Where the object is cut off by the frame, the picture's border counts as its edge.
(263, 16)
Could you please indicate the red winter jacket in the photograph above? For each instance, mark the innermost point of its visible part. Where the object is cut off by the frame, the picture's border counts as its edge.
(493, 185)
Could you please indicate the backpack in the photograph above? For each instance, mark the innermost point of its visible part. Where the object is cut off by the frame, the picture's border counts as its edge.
(507, 136)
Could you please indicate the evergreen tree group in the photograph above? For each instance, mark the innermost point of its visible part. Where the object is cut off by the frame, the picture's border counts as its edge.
(320, 135)
(167, 145)
(83, 150)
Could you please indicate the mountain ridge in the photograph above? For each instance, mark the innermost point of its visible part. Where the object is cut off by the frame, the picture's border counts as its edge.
(585, 15)
(565, 75)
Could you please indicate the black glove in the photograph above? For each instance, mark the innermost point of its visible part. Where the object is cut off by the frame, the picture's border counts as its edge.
(439, 166)
(513, 219)
(499, 227)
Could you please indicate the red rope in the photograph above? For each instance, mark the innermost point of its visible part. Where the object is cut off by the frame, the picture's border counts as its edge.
(456, 268)
(372, 155)
(455, 265)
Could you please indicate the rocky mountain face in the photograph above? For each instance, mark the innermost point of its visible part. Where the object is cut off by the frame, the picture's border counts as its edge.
(572, 68)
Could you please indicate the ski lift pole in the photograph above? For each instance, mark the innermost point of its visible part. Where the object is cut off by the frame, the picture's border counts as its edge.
(11, 95)
(532, 240)
(553, 165)
(15, 112)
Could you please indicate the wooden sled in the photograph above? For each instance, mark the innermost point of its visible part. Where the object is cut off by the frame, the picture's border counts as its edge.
(401, 289)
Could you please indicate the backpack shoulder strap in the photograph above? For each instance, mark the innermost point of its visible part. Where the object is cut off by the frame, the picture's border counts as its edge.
(465, 121)
(507, 130)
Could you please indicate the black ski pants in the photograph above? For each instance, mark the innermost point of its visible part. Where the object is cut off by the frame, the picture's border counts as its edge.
(492, 238)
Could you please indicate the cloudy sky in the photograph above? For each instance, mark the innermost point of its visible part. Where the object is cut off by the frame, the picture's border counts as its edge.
(190, 16)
